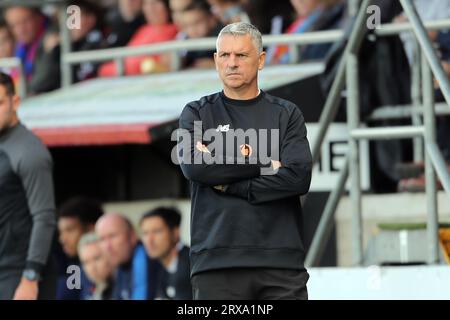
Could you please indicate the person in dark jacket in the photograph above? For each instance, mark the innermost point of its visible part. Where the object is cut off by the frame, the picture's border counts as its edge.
(161, 238)
(40, 58)
(27, 209)
(197, 21)
(246, 223)
(123, 21)
(88, 37)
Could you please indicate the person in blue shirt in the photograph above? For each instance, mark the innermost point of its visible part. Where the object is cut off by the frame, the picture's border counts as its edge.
(136, 274)
(161, 238)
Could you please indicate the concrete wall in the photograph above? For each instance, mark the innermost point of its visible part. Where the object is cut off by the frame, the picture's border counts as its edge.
(373, 283)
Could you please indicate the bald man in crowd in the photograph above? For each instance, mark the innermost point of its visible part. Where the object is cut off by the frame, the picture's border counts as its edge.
(136, 274)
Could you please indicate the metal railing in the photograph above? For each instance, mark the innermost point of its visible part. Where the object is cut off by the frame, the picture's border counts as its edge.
(119, 54)
(434, 162)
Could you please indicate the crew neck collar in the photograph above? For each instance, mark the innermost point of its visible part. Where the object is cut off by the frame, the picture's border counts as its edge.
(246, 102)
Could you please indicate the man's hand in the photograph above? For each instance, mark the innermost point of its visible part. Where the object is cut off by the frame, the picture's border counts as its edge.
(246, 150)
(201, 147)
(27, 290)
(276, 164)
(221, 187)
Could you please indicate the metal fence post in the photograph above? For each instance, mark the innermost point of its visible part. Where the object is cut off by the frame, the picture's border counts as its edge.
(120, 66)
(416, 101)
(430, 176)
(23, 90)
(326, 222)
(66, 68)
(353, 7)
(354, 165)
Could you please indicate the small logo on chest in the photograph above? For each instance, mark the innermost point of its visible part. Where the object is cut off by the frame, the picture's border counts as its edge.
(223, 128)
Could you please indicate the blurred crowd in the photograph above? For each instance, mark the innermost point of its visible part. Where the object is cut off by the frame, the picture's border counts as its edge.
(32, 35)
(102, 256)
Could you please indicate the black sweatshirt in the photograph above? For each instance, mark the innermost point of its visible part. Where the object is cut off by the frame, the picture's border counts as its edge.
(27, 208)
(256, 220)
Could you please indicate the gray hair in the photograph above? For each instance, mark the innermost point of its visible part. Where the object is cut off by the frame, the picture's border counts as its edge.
(242, 29)
(88, 238)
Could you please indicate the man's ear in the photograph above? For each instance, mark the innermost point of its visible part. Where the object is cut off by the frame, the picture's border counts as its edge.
(176, 234)
(215, 61)
(262, 60)
(15, 102)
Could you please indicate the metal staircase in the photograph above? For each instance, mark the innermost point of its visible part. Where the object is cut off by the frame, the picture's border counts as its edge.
(347, 75)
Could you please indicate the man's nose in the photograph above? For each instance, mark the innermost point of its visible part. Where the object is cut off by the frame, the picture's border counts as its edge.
(232, 61)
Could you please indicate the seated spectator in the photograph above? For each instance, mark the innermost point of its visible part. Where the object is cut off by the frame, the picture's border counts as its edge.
(97, 266)
(159, 28)
(263, 13)
(136, 274)
(229, 11)
(161, 237)
(123, 21)
(198, 21)
(76, 217)
(40, 61)
(88, 37)
(312, 15)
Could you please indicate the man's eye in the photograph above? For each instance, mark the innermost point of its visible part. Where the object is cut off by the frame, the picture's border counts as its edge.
(224, 55)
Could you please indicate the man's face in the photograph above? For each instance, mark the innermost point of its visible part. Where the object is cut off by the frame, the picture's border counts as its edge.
(176, 8)
(238, 61)
(196, 23)
(24, 23)
(116, 240)
(70, 231)
(130, 8)
(6, 44)
(95, 262)
(157, 237)
(155, 12)
(8, 109)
